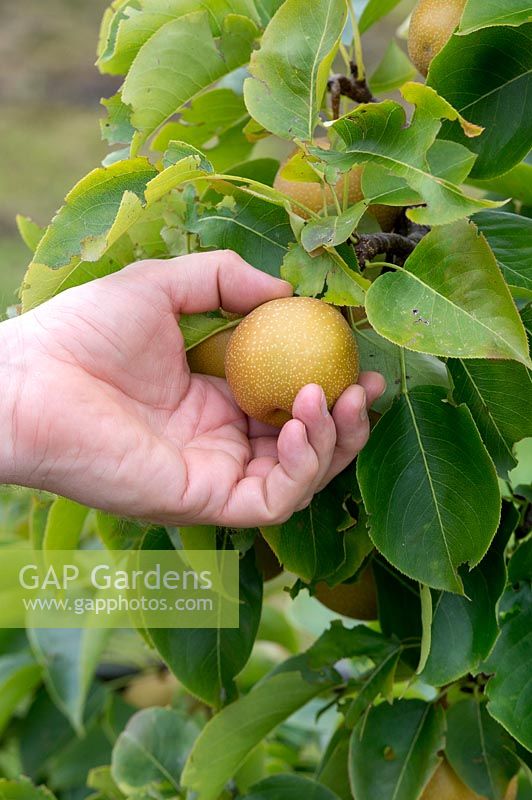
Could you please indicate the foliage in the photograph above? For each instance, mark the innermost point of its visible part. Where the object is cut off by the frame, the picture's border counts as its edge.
(438, 504)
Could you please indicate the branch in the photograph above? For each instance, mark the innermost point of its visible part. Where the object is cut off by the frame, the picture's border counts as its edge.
(349, 86)
(368, 245)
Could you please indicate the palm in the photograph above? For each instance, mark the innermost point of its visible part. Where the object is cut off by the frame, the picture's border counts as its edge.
(115, 420)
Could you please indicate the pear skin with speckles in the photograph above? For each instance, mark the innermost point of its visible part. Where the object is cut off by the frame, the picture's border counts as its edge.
(446, 785)
(431, 27)
(282, 346)
(208, 357)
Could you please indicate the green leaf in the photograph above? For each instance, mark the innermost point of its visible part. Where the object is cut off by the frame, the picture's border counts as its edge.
(30, 233)
(152, 750)
(97, 211)
(394, 749)
(19, 675)
(379, 680)
(464, 629)
(399, 605)
(332, 770)
(100, 778)
(311, 543)
(510, 238)
(377, 353)
(180, 60)
(229, 737)
(23, 789)
(209, 116)
(116, 127)
(470, 73)
(68, 658)
(198, 327)
(486, 13)
(429, 488)
(206, 661)
(449, 300)
(520, 566)
(479, 749)
(510, 690)
(394, 70)
(291, 68)
(331, 231)
(499, 396)
(64, 525)
(134, 27)
(322, 276)
(289, 787)
(373, 11)
(377, 133)
(516, 183)
(177, 150)
(257, 230)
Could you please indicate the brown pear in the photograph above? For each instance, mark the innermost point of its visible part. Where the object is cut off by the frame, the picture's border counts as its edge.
(282, 346)
(431, 27)
(446, 785)
(357, 600)
(310, 193)
(208, 357)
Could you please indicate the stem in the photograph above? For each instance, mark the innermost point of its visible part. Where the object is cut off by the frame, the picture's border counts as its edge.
(385, 264)
(357, 41)
(266, 195)
(336, 201)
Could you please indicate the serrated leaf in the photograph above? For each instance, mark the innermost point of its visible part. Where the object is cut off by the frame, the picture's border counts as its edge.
(23, 789)
(179, 150)
(516, 183)
(465, 628)
(509, 691)
(68, 658)
(180, 60)
(96, 213)
(133, 27)
(152, 749)
(332, 231)
(379, 680)
(491, 90)
(394, 70)
(257, 230)
(381, 355)
(322, 276)
(225, 742)
(449, 300)
(499, 396)
(510, 238)
(487, 13)
(116, 127)
(394, 749)
(377, 133)
(291, 68)
(289, 787)
(429, 488)
(479, 749)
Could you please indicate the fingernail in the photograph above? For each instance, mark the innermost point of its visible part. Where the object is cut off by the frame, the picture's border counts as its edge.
(363, 410)
(323, 404)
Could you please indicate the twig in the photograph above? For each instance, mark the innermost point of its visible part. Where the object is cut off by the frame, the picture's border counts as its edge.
(368, 245)
(349, 86)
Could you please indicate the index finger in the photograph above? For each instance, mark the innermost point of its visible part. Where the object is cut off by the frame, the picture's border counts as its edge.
(217, 279)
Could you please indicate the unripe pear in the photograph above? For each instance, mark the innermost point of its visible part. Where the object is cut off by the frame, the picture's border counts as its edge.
(356, 600)
(446, 785)
(282, 346)
(266, 560)
(208, 357)
(311, 195)
(151, 689)
(431, 27)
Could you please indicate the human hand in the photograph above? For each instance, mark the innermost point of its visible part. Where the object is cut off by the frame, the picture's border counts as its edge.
(106, 412)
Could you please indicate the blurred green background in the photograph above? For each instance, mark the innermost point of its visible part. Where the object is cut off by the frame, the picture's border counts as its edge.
(49, 110)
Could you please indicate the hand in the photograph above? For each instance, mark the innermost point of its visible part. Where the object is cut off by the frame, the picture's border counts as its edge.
(107, 413)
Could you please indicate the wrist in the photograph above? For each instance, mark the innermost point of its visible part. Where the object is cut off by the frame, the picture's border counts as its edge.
(12, 378)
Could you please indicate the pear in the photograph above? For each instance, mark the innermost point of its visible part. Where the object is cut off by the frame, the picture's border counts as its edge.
(356, 600)
(208, 357)
(151, 689)
(310, 193)
(446, 785)
(266, 560)
(431, 27)
(283, 345)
